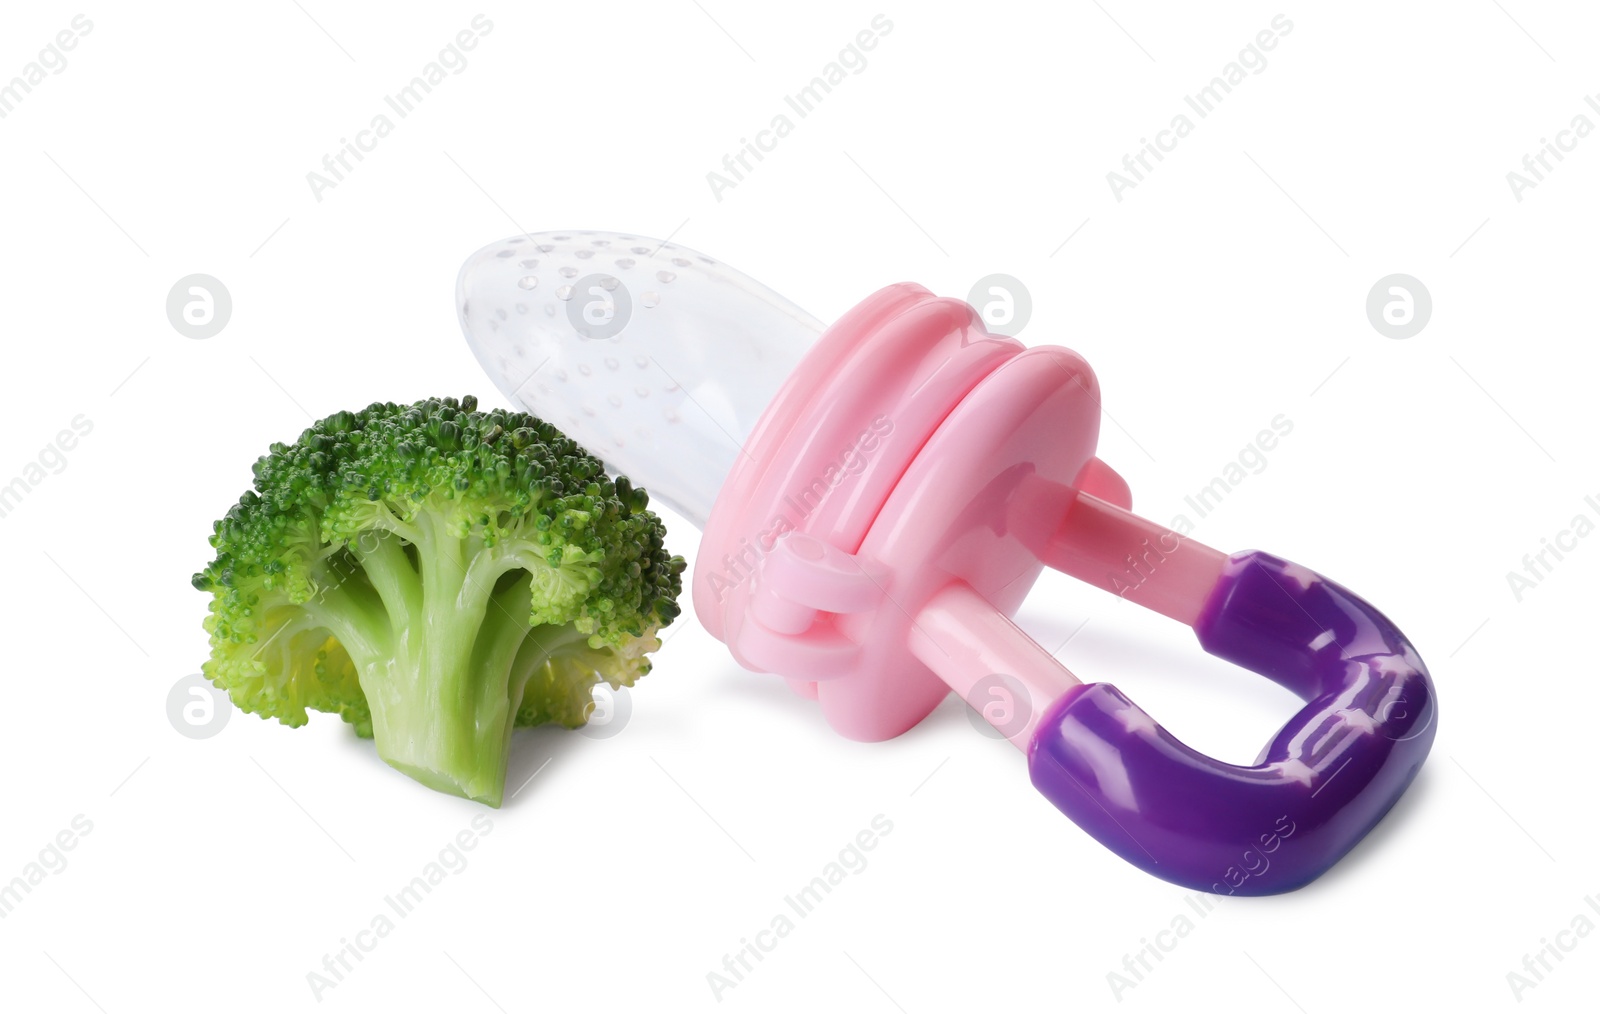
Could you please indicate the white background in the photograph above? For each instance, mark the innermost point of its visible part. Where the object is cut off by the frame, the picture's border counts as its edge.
(1227, 288)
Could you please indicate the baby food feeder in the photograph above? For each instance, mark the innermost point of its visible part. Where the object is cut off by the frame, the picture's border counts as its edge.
(877, 497)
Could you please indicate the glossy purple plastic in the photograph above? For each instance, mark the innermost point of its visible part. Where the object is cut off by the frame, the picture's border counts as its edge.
(1319, 786)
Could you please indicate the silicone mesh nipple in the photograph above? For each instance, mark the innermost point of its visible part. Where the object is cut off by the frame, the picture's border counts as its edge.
(655, 358)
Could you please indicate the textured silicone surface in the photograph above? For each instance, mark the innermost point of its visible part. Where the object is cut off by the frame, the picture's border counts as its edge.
(655, 357)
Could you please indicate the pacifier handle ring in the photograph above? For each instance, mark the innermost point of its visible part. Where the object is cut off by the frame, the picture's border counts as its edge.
(1318, 787)
(1326, 778)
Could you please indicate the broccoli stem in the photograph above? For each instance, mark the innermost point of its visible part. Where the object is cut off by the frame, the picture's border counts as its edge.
(444, 700)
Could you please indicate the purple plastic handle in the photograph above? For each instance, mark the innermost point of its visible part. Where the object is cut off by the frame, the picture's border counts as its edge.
(1322, 783)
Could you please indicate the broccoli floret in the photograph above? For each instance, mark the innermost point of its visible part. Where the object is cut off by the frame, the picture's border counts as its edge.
(436, 576)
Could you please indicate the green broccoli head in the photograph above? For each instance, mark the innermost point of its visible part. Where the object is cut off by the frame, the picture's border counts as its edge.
(435, 575)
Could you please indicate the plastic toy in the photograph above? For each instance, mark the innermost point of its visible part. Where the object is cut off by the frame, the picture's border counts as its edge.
(877, 498)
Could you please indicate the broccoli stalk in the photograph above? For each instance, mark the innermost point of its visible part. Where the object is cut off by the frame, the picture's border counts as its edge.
(437, 576)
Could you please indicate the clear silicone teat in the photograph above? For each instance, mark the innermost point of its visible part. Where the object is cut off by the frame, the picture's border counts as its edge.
(655, 358)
